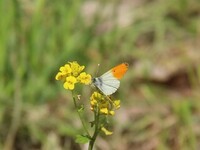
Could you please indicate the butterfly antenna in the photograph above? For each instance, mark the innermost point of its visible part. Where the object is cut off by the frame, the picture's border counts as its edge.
(97, 70)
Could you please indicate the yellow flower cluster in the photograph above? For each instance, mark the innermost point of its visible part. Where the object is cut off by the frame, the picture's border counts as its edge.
(71, 74)
(106, 105)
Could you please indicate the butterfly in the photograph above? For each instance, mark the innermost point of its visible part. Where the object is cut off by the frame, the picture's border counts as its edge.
(108, 83)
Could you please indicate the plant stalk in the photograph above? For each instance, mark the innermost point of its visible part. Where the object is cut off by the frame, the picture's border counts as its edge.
(96, 132)
(79, 114)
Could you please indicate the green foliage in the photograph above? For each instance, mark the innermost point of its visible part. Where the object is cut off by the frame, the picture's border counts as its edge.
(82, 139)
(36, 37)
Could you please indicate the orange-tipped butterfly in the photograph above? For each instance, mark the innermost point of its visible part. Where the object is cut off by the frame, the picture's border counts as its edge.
(108, 83)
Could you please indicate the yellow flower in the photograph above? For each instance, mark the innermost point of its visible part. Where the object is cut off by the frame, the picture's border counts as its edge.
(71, 73)
(116, 103)
(64, 72)
(111, 112)
(96, 96)
(106, 131)
(93, 102)
(104, 110)
(76, 68)
(60, 76)
(66, 69)
(106, 106)
(70, 81)
(84, 78)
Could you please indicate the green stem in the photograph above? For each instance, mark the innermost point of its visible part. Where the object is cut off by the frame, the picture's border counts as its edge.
(79, 114)
(96, 132)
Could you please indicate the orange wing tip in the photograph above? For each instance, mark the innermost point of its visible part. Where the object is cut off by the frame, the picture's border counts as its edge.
(120, 70)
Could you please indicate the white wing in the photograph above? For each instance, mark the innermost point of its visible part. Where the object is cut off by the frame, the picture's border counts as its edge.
(109, 87)
(108, 76)
(107, 83)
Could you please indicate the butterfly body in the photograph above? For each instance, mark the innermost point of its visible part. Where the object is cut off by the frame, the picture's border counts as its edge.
(108, 83)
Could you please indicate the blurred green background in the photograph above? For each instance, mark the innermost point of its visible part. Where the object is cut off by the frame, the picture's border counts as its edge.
(160, 98)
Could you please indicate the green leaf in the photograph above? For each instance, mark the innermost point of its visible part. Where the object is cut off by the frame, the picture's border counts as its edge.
(81, 109)
(82, 139)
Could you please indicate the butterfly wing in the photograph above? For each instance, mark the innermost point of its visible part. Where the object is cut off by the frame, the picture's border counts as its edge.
(109, 82)
(107, 86)
(116, 72)
(119, 71)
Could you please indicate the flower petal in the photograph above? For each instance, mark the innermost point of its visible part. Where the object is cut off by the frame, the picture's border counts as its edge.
(106, 131)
